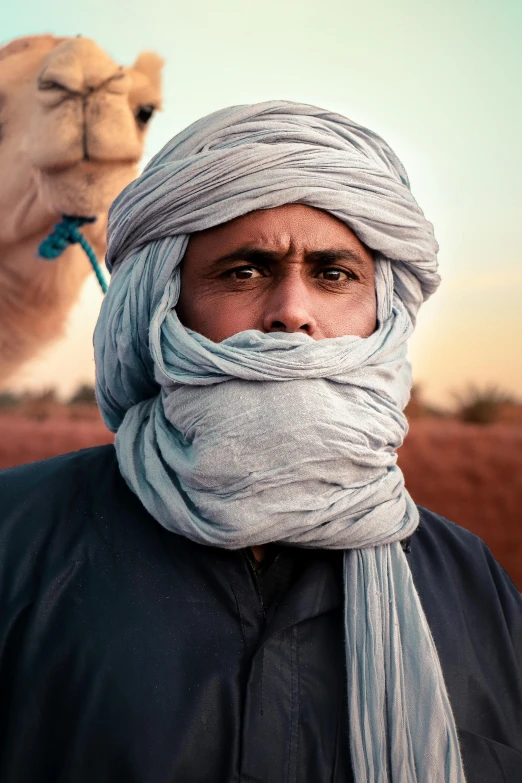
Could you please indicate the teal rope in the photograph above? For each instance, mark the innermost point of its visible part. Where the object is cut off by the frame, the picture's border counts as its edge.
(67, 233)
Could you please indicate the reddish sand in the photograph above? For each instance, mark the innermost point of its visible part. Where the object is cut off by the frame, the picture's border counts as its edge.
(469, 473)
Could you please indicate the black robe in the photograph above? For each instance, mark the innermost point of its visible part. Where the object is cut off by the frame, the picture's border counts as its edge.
(131, 654)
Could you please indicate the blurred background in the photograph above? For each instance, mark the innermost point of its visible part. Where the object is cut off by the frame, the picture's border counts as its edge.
(441, 82)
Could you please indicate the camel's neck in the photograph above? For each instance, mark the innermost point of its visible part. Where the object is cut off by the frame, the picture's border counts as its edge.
(23, 270)
(24, 213)
(36, 296)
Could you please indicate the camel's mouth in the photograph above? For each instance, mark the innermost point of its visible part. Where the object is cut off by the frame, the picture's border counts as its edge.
(86, 188)
(86, 166)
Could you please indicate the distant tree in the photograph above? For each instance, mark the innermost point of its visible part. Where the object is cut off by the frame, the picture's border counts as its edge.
(415, 409)
(84, 395)
(40, 405)
(8, 400)
(482, 405)
(45, 396)
(418, 408)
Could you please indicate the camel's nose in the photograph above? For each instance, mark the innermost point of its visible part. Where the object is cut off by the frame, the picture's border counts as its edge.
(78, 66)
(85, 112)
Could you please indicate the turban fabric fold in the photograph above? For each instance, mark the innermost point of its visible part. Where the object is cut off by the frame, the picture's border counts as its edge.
(277, 437)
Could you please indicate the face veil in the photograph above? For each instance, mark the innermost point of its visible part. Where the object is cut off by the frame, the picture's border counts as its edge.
(327, 478)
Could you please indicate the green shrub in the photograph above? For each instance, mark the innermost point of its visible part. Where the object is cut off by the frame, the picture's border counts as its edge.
(84, 395)
(8, 400)
(481, 405)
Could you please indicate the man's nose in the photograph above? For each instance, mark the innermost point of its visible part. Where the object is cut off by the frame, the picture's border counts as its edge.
(288, 309)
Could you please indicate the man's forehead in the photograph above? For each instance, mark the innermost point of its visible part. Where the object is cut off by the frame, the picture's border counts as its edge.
(291, 229)
(256, 254)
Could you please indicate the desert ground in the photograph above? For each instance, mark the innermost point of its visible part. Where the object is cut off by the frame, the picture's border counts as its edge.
(469, 473)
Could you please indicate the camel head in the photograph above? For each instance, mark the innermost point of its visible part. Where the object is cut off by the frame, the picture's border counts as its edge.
(72, 129)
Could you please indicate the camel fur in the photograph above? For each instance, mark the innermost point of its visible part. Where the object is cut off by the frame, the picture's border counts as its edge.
(72, 130)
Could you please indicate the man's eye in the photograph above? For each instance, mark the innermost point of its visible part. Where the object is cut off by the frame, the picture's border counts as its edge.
(244, 273)
(335, 275)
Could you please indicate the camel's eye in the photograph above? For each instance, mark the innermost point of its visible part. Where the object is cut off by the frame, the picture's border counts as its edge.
(50, 85)
(144, 113)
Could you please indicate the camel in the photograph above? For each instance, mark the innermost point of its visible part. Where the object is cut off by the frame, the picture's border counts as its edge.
(72, 130)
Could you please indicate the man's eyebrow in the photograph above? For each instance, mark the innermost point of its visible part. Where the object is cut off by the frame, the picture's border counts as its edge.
(249, 253)
(257, 255)
(330, 256)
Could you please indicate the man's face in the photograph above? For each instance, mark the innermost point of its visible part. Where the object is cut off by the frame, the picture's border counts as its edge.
(289, 269)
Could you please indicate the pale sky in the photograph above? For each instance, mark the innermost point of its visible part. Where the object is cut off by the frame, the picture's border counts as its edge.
(441, 81)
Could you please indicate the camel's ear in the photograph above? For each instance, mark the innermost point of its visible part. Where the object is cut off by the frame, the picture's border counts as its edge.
(151, 65)
(28, 42)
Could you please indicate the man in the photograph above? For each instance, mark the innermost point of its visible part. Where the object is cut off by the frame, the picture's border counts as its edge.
(243, 590)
